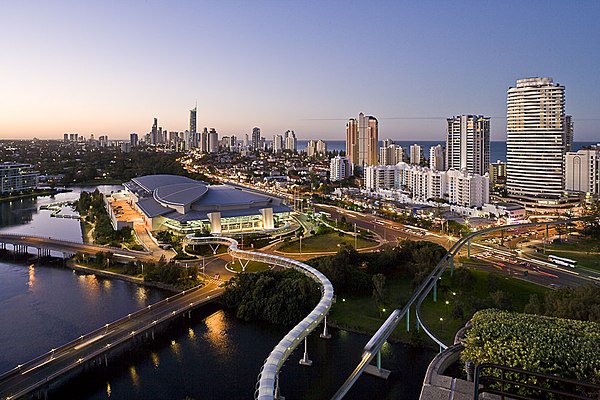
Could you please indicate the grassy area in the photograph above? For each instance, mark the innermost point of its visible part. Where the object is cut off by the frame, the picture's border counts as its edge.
(581, 250)
(253, 266)
(325, 242)
(517, 290)
(362, 314)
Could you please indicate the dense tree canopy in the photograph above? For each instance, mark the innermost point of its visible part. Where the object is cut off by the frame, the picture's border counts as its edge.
(280, 297)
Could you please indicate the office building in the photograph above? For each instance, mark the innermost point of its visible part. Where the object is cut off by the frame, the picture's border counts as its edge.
(468, 143)
(437, 158)
(339, 168)
(17, 177)
(416, 154)
(256, 138)
(582, 171)
(536, 139)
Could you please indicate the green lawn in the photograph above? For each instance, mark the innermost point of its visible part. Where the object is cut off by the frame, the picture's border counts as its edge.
(253, 266)
(362, 314)
(578, 250)
(325, 242)
(517, 290)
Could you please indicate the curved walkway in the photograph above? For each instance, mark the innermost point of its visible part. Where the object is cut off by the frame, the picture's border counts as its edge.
(267, 384)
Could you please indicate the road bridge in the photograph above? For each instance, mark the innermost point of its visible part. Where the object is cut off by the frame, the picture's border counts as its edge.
(39, 374)
(44, 245)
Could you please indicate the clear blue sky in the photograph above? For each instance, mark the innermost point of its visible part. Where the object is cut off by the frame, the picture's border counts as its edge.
(109, 67)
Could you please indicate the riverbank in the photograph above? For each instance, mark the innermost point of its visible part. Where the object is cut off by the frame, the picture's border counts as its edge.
(34, 193)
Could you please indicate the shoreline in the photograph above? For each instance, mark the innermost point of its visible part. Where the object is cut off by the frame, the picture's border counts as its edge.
(38, 193)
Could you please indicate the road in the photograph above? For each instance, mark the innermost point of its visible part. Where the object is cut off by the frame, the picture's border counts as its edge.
(539, 272)
(92, 346)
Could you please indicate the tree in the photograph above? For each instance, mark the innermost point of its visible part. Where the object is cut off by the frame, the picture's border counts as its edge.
(591, 224)
(378, 288)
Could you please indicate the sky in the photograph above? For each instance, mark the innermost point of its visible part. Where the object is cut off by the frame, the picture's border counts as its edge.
(110, 67)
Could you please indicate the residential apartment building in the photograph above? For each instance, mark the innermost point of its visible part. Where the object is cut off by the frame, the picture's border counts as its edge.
(468, 143)
(339, 168)
(582, 171)
(17, 177)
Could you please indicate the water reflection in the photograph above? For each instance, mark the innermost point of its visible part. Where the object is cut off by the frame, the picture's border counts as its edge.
(176, 349)
(91, 286)
(141, 295)
(135, 379)
(216, 333)
(192, 334)
(31, 276)
(155, 359)
(108, 389)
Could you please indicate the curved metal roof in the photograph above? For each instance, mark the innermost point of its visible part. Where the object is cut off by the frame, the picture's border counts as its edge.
(180, 194)
(151, 182)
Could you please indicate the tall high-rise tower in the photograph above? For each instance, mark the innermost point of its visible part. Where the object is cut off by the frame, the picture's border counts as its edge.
(468, 143)
(352, 141)
(536, 140)
(368, 140)
(154, 133)
(193, 121)
(255, 138)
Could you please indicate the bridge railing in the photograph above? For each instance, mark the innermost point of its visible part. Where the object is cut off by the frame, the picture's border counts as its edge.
(269, 371)
(20, 236)
(94, 333)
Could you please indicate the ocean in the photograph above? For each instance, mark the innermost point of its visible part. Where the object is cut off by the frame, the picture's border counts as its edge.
(497, 148)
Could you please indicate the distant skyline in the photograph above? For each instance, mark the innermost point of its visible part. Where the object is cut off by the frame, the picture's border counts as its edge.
(110, 67)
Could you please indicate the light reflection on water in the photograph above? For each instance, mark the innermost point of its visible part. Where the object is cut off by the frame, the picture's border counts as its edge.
(31, 281)
(135, 379)
(155, 359)
(216, 333)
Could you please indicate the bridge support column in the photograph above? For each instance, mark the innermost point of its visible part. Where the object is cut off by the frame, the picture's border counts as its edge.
(278, 395)
(418, 325)
(469, 248)
(435, 292)
(305, 360)
(376, 370)
(408, 320)
(214, 249)
(325, 334)
(243, 264)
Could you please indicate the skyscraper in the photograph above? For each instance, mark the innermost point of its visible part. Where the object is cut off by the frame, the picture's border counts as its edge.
(255, 138)
(193, 122)
(133, 139)
(291, 143)
(537, 131)
(277, 143)
(468, 143)
(352, 141)
(154, 132)
(204, 140)
(391, 154)
(368, 140)
(339, 168)
(213, 141)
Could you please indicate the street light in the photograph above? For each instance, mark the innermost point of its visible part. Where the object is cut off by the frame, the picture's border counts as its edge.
(300, 243)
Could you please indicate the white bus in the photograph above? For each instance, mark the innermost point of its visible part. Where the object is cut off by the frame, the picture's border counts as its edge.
(565, 262)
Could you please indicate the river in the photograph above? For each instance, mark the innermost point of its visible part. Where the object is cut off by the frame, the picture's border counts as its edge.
(213, 355)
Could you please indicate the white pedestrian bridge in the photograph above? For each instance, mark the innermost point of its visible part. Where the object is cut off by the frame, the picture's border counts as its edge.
(267, 386)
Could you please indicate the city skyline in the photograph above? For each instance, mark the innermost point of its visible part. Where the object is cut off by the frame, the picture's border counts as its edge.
(280, 66)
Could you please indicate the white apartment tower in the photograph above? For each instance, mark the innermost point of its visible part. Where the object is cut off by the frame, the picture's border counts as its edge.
(436, 158)
(290, 141)
(339, 168)
(468, 143)
(321, 147)
(537, 134)
(277, 143)
(390, 154)
(582, 171)
(416, 153)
